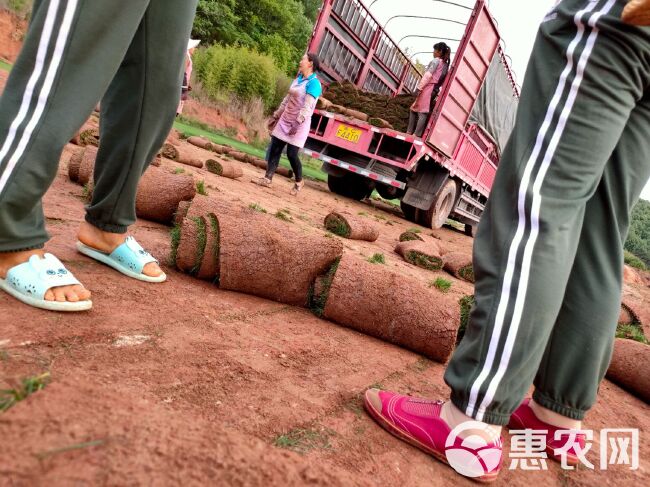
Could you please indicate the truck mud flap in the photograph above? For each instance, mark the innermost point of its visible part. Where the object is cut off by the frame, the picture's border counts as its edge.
(423, 187)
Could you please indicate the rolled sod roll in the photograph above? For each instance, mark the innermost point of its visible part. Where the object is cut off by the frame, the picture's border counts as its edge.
(82, 165)
(182, 210)
(421, 254)
(356, 114)
(281, 170)
(410, 237)
(170, 152)
(380, 122)
(459, 265)
(351, 227)
(630, 367)
(209, 268)
(240, 156)
(265, 257)
(222, 149)
(376, 301)
(338, 109)
(191, 245)
(89, 137)
(184, 157)
(160, 192)
(224, 168)
(201, 142)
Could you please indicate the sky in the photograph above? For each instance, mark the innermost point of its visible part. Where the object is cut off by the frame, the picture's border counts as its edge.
(518, 21)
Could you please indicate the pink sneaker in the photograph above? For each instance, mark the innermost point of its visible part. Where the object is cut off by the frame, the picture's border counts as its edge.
(418, 422)
(524, 418)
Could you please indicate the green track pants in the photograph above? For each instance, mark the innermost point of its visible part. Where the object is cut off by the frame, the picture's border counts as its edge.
(130, 55)
(548, 255)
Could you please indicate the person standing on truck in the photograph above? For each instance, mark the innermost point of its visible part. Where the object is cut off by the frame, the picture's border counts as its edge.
(291, 122)
(429, 88)
(548, 257)
(128, 54)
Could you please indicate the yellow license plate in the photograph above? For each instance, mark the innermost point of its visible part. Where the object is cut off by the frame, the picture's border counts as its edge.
(348, 133)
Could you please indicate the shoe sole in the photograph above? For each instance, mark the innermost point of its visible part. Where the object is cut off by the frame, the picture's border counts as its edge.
(63, 307)
(106, 260)
(388, 426)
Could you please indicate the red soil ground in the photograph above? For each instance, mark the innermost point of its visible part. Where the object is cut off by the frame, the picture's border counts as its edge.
(183, 383)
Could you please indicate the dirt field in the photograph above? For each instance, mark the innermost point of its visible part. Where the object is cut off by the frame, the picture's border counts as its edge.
(183, 383)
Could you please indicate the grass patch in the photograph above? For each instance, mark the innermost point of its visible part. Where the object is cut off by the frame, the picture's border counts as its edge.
(216, 248)
(424, 261)
(305, 440)
(5, 66)
(175, 235)
(284, 215)
(377, 259)
(257, 207)
(200, 188)
(441, 284)
(201, 240)
(362, 213)
(179, 170)
(633, 331)
(337, 225)
(633, 261)
(467, 273)
(414, 230)
(87, 192)
(27, 387)
(466, 305)
(320, 290)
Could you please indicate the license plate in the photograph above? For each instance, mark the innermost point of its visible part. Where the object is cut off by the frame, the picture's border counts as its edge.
(348, 133)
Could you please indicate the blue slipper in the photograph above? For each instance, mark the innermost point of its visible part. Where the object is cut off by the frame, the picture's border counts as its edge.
(129, 259)
(29, 282)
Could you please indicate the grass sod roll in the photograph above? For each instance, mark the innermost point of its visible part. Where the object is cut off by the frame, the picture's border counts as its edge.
(191, 247)
(160, 192)
(184, 157)
(224, 168)
(410, 237)
(89, 137)
(630, 367)
(201, 142)
(209, 268)
(82, 165)
(169, 151)
(266, 257)
(396, 308)
(421, 254)
(460, 265)
(351, 227)
(320, 290)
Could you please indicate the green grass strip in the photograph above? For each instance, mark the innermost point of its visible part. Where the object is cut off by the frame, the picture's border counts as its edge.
(467, 273)
(216, 247)
(466, 305)
(337, 225)
(424, 261)
(5, 66)
(175, 235)
(317, 302)
(201, 240)
(27, 387)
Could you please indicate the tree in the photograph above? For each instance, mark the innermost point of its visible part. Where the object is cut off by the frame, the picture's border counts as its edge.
(638, 241)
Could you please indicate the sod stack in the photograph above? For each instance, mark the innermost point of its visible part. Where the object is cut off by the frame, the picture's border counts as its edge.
(224, 168)
(460, 265)
(426, 255)
(630, 367)
(376, 301)
(254, 253)
(351, 227)
(392, 111)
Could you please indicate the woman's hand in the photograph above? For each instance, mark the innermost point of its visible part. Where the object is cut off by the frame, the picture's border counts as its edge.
(272, 123)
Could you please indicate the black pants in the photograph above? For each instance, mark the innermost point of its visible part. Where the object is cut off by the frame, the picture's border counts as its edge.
(275, 152)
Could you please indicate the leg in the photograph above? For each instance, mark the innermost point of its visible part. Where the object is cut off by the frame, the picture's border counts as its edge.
(553, 165)
(275, 152)
(413, 120)
(593, 293)
(422, 124)
(294, 159)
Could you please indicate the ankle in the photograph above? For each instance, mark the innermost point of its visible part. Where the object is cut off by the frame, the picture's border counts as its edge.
(553, 418)
(12, 259)
(455, 417)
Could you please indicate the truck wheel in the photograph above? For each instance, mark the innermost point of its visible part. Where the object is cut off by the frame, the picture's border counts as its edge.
(350, 186)
(441, 207)
(470, 230)
(410, 212)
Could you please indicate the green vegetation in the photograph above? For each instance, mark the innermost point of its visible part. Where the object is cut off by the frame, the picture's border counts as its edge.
(633, 331)
(304, 440)
(638, 240)
(175, 235)
(337, 225)
(633, 261)
(414, 230)
(257, 207)
(320, 290)
(5, 66)
(441, 284)
(377, 259)
(21, 8)
(424, 261)
(466, 305)
(200, 188)
(179, 170)
(284, 215)
(201, 240)
(27, 387)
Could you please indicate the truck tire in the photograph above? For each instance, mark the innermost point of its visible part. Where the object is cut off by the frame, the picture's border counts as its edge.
(470, 230)
(443, 203)
(350, 186)
(410, 212)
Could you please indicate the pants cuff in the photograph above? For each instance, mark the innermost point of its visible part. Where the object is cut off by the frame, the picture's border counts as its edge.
(489, 417)
(106, 227)
(22, 248)
(557, 407)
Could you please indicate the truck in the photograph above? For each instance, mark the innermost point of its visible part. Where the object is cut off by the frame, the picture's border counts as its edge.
(448, 172)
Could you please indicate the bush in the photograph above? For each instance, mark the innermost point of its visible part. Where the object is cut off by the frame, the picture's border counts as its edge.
(633, 261)
(237, 70)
